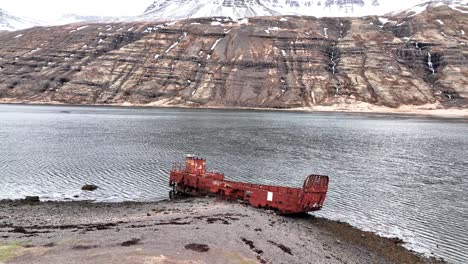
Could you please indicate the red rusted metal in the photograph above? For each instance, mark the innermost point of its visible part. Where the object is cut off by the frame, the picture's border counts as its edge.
(193, 179)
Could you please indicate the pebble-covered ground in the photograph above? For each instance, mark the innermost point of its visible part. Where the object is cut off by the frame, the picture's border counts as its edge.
(189, 230)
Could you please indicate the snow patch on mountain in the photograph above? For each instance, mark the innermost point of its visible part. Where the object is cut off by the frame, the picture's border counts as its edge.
(460, 6)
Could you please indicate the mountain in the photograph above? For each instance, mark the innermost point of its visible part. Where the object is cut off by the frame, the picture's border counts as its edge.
(459, 5)
(414, 59)
(181, 9)
(75, 18)
(163, 10)
(9, 22)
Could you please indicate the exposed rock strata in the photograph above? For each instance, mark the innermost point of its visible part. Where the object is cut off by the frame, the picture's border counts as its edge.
(267, 62)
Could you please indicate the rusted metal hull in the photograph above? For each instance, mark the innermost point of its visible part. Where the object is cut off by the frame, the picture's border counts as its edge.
(193, 179)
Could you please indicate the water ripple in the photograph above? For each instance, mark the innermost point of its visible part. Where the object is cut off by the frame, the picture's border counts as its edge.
(395, 176)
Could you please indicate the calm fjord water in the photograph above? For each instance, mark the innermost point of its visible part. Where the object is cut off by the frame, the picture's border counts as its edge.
(398, 176)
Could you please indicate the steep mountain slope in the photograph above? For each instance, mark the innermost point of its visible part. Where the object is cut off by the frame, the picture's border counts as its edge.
(279, 62)
(10, 22)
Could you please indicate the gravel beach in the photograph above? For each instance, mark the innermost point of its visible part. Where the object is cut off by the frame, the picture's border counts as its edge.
(185, 230)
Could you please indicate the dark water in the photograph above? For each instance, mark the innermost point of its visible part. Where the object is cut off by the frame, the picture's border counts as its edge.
(398, 176)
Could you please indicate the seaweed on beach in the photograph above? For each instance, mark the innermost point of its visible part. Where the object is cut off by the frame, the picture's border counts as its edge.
(284, 248)
(84, 247)
(131, 242)
(197, 247)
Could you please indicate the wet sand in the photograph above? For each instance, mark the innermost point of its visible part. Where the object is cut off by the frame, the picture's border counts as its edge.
(429, 110)
(186, 230)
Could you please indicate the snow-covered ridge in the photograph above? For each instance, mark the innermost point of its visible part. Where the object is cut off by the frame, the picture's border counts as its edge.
(181, 9)
(235, 9)
(10, 22)
(457, 5)
(74, 18)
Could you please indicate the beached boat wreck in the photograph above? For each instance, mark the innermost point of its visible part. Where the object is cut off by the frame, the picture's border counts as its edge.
(195, 180)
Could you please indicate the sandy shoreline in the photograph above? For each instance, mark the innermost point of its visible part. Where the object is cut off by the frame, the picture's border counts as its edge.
(189, 230)
(429, 110)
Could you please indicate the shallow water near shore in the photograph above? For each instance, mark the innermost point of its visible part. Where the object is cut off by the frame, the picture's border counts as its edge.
(399, 176)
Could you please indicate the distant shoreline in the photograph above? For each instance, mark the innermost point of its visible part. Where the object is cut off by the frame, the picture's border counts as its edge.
(362, 108)
(181, 230)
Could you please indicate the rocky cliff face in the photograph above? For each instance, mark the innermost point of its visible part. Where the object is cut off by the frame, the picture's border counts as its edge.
(278, 62)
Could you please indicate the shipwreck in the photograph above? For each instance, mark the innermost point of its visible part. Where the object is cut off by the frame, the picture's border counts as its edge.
(193, 179)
